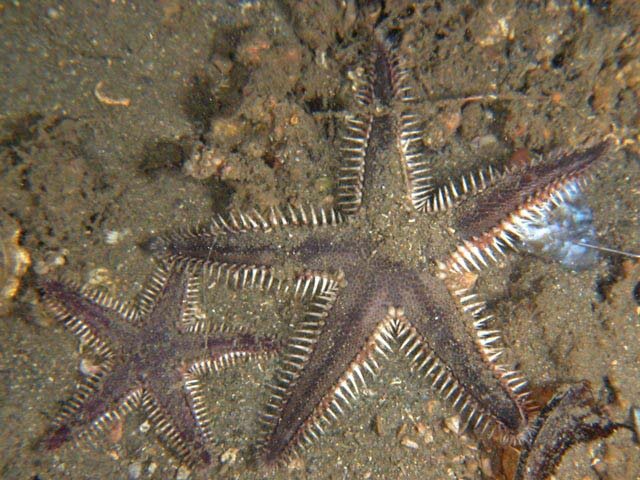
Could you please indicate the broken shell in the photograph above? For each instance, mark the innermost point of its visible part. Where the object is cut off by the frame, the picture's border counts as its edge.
(14, 261)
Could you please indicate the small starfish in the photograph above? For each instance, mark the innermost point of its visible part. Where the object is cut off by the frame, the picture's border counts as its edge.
(153, 357)
(572, 416)
(380, 268)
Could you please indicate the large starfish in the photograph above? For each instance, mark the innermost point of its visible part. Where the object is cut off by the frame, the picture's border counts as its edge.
(380, 267)
(152, 355)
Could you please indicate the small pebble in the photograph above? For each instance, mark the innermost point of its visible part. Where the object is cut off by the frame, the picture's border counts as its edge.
(88, 367)
(453, 424)
(378, 425)
(183, 473)
(323, 184)
(229, 456)
(484, 141)
(409, 443)
(452, 121)
(53, 13)
(401, 431)
(433, 404)
(135, 470)
(145, 427)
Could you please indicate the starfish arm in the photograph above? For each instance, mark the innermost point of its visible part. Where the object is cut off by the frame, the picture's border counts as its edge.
(384, 85)
(94, 317)
(456, 358)
(97, 404)
(497, 217)
(239, 249)
(571, 416)
(322, 364)
(368, 133)
(223, 351)
(173, 398)
(166, 404)
(222, 347)
(355, 143)
(454, 191)
(169, 298)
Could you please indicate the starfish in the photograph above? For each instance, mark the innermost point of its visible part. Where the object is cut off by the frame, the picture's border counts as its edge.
(153, 357)
(570, 417)
(376, 271)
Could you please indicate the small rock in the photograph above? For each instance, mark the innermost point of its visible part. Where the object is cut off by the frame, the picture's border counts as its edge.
(453, 424)
(635, 419)
(378, 425)
(230, 456)
(53, 13)
(495, 30)
(183, 473)
(51, 260)
(205, 162)
(428, 437)
(402, 429)
(134, 471)
(144, 427)
(323, 184)
(484, 141)
(409, 443)
(89, 368)
(452, 121)
(425, 432)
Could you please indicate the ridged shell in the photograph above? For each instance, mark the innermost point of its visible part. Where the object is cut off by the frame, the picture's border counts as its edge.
(14, 261)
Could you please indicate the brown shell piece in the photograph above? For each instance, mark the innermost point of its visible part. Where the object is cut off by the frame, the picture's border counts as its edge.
(14, 261)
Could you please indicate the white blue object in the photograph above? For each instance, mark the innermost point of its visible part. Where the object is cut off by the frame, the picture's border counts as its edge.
(559, 228)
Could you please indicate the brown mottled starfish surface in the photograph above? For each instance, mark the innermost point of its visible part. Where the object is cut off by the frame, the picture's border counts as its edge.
(378, 270)
(153, 356)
